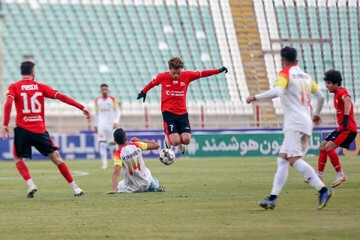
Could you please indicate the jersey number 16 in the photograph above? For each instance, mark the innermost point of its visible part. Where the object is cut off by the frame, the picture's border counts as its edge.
(34, 106)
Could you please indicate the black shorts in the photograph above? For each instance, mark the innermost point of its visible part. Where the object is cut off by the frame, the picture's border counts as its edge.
(176, 123)
(24, 140)
(341, 138)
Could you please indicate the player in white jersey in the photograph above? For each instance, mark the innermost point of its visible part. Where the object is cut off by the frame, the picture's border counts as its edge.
(128, 157)
(294, 87)
(107, 116)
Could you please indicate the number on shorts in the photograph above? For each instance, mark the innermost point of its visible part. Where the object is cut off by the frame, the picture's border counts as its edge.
(171, 127)
(35, 105)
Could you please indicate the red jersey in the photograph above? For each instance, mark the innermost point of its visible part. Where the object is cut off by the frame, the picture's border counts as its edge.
(340, 108)
(173, 93)
(29, 102)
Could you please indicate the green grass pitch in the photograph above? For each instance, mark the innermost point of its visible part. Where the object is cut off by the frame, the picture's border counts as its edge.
(213, 198)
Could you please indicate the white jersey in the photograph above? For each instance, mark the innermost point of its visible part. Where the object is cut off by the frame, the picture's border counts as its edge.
(137, 176)
(106, 112)
(296, 99)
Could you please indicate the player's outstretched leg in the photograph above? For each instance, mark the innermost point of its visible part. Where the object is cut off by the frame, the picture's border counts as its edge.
(64, 170)
(309, 173)
(25, 173)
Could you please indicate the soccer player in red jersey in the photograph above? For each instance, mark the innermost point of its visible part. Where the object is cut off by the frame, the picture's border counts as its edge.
(345, 133)
(173, 100)
(30, 129)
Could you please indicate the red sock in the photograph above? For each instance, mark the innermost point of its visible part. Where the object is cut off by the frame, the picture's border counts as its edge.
(334, 158)
(23, 170)
(322, 160)
(65, 172)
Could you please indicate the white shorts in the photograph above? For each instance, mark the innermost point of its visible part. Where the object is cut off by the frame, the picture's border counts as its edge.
(295, 144)
(105, 135)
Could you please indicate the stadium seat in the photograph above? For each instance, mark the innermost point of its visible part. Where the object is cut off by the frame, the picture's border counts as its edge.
(84, 44)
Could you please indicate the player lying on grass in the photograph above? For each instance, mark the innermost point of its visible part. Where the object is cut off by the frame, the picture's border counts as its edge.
(30, 129)
(294, 87)
(175, 83)
(128, 157)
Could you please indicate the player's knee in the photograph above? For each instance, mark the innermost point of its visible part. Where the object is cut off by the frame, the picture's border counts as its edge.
(328, 148)
(322, 146)
(175, 142)
(186, 141)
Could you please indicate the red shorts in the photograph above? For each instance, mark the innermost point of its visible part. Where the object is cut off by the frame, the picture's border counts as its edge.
(341, 138)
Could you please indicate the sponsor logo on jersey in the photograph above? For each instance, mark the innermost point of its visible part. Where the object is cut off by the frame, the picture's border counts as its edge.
(174, 93)
(182, 84)
(37, 118)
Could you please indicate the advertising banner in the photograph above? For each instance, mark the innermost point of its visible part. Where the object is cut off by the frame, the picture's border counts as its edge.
(204, 143)
(242, 144)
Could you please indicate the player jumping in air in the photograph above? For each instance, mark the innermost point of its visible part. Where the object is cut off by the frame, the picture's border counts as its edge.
(30, 129)
(294, 87)
(107, 116)
(173, 100)
(344, 134)
(128, 157)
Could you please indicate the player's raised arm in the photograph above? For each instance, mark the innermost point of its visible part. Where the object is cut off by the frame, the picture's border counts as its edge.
(154, 82)
(70, 101)
(206, 73)
(146, 144)
(279, 86)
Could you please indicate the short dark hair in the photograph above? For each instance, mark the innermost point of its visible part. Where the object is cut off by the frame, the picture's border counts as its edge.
(104, 85)
(289, 54)
(175, 63)
(27, 67)
(120, 136)
(333, 76)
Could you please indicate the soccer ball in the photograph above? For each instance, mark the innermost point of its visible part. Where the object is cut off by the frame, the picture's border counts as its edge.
(167, 156)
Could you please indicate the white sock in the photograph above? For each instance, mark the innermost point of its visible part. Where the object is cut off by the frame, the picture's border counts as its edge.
(30, 182)
(308, 173)
(73, 185)
(103, 153)
(280, 176)
(340, 173)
